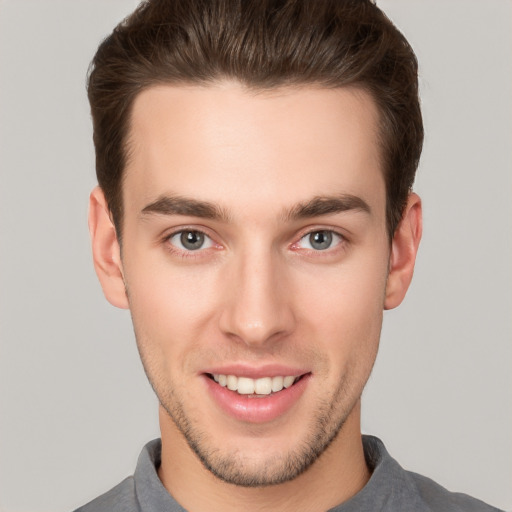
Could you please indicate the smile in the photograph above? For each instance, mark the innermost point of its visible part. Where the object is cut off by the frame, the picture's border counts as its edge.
(256, 395)
(262, 386)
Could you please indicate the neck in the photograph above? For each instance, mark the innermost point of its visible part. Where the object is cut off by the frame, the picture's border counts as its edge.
(337, 475)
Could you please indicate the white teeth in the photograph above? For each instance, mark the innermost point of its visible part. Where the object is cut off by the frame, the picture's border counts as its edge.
(232, 382)
(247, 386)
(277, 383)
(263, 386)
(288, 381)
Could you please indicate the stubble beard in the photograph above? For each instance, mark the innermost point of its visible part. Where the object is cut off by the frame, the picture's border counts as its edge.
(327, 422)
(234, 469)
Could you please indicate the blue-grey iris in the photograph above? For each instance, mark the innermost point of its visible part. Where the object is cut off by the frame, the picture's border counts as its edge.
(192, 240)
(320, 240)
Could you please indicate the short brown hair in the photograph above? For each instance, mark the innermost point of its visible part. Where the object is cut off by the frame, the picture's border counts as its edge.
(263, 44)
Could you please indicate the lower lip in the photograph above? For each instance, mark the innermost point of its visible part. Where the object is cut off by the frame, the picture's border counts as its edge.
(256, 409)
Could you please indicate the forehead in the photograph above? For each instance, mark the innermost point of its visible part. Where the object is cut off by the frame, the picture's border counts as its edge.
(227, 143)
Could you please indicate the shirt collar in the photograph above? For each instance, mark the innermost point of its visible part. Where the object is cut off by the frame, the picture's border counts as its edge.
(389, 486)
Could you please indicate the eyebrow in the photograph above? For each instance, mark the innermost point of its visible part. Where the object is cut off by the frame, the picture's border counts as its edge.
(179, 205)
(315, 207)
(327, 205)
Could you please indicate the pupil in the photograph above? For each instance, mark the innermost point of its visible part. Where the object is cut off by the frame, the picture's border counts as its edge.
(320, 240)
(192, 240)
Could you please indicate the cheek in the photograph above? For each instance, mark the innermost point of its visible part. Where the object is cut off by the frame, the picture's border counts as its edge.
(170, 305)
(345, 304)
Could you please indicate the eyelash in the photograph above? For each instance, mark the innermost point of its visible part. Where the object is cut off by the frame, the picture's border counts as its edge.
(183, 253)
(325, 252)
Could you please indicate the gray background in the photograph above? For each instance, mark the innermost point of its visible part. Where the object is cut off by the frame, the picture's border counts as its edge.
(75, 407)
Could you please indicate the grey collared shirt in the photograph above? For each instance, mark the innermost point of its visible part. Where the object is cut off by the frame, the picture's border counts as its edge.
(390, 489)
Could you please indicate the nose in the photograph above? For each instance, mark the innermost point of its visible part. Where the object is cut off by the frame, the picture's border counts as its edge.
(258, 309)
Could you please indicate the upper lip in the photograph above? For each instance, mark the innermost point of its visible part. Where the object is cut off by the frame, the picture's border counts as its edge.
(253, 372)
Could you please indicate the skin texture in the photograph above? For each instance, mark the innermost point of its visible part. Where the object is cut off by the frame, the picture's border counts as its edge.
(257, 294)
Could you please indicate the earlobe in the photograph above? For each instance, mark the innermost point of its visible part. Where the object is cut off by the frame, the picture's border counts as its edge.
(404, 248)
(106, 251)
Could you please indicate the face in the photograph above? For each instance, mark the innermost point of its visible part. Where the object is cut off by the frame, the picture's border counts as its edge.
(255, 258)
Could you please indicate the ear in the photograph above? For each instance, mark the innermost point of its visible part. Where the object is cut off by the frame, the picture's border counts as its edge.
(106, 251)
(404, 248)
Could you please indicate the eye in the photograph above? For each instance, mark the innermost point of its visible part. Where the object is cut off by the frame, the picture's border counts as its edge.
(320, 240)
(190, 240)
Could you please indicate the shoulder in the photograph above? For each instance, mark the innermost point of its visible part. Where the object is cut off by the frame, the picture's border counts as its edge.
(121, 498)
(436, 497)
(393, 488)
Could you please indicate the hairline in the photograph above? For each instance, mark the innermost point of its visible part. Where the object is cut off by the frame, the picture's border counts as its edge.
(256, 89)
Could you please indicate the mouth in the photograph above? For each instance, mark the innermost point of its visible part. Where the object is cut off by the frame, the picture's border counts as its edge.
(264, 396)
(257, 388)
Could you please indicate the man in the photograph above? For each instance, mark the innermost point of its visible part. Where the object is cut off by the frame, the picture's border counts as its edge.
(255, 213)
